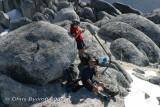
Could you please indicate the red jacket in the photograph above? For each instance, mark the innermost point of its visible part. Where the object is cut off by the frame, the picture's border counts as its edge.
(75, 31)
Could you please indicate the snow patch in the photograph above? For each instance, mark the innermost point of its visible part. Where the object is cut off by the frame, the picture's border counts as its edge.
(136, 97)
(150, 73)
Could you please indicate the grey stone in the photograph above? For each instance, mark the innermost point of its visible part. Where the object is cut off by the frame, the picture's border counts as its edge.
(100, 5)
(39, 53)
(15, 94)
(49, 14)
(158, 98)
(115, 80)
(124, 8)
(28, 8)
(8, 5)
(17, 4)
(1, 29)
(18, 23)
(4, 20)
(147, 96)
(52, 6)
(84, 25)
(100, 23)
(83, 4)
(140, 76)
(39, 17)
(66, 14)
(103, 14)
(38, 4)
(154, 16)
(65, 24)
(138, 71)
(87, 13)
(63, 4)
(155, 80)
(116, 30)
(1, 5)
(2, 105)
(128, 51)
(142, 24)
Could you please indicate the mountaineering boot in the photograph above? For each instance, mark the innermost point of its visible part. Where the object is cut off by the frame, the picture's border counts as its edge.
(111, 93)
(104, 96)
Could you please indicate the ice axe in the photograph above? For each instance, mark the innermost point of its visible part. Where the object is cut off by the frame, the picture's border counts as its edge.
(94, 34)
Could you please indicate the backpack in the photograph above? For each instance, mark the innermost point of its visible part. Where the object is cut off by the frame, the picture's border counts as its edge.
(71, 75)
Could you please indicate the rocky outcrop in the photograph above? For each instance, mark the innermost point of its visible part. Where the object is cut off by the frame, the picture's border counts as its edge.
(124, 8)
(18, 23)
(115, 30)
(154, 16)
(142, 24)
(49, 14)
(66, 14)
(87, 13)
(8, 5)
(39, 17)
(52, 6)
(138, 71)
(28, 8)
(100, 5)
(39, 4)
(65, 24)
(103, 14)
(15, 94)
(1, 5)
(4, 20)
(63, 4)
(1, 29)
(84, 25)
(128, 52)
(37, 54)
(115, 80)
(155, 80)
(100, 23)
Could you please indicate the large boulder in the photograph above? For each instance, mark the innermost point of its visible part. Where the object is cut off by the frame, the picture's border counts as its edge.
(115, 30)
(14, 93)
(49, 14)
(18, 23)
(1, 5)
(100, 5)
(65, 24)
(8, 5)
(124, 8)
(4, 20)
(17, 4)
(115, 80)
(87, 13)
(1, 29)
(103, 14)
(84, 25)
(52, 6)
(28, 8)
(154, 16)
(37, 52)
(39, 17)
(63, 4)
(38, 4)
(101, 22)
(127, 51)
(66, 14)
(142, 24)
(155, 80)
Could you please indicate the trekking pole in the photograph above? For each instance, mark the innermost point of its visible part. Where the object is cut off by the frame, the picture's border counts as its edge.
(94, 33)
